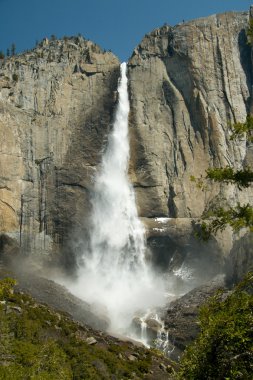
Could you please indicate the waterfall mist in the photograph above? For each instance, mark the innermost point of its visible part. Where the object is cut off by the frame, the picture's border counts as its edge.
(115, 275)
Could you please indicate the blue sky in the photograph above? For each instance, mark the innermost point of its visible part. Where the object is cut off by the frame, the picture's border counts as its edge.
(113, 24)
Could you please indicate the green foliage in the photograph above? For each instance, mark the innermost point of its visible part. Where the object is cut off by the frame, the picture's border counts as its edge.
(250, 32)
(240, 216)
(240, 129)
(13, 49)
(236, 217)
(223, 350)
(242, 178)
(6, 287)
(37, 343)
(1, 54)
(200, 182)
(15, 77)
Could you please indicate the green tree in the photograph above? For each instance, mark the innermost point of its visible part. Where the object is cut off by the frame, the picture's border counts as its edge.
(250, 32)
(13, 49)
(6, 287)
(15, 77)
(1, 54)
(240, 216)
(223, 350)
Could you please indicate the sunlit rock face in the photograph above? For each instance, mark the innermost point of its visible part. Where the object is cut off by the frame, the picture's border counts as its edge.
(56, 106)
(186, 84)
(56, 109)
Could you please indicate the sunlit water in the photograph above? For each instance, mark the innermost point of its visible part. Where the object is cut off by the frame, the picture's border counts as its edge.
(115, 275)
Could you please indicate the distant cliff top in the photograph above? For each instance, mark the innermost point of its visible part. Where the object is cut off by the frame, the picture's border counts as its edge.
(156, 42)
(64, 50)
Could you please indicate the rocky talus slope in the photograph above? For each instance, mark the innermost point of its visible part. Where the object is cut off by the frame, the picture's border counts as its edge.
(42, 343)
(56, 106)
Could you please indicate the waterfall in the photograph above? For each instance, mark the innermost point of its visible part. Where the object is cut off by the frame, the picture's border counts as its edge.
(143, 331)
(114, 273)
(117, 235)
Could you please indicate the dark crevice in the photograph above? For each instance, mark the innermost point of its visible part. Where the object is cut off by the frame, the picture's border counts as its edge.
(145, 186)
(78, 185)
(246, 62)
(171, 203)
(223, 69)
(182, 155)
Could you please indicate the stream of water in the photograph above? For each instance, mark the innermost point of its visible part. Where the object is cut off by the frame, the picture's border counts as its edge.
(115, 275)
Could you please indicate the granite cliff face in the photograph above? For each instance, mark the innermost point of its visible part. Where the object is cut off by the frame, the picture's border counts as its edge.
(56, 105)
(186, 84)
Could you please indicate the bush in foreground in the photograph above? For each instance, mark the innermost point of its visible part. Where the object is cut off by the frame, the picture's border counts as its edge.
(224, 348)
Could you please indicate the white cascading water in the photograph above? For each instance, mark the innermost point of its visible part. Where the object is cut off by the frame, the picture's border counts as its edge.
(114, 273)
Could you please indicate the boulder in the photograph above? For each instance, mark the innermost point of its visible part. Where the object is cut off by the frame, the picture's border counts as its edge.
(91, 340)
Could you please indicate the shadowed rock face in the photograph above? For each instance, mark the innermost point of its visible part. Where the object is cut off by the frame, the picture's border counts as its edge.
(186, 84)
(56, 106)
(181, 317)
(240, 260)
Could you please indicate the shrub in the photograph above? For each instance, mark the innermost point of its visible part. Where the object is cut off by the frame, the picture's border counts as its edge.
(15, 77)
(6, 287)
(223, 350)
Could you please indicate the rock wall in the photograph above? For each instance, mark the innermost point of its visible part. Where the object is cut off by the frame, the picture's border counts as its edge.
(56, 106)
(187, 83)
(240, 260)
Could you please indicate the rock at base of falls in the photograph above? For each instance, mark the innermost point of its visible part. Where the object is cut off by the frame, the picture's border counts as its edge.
(180, 317)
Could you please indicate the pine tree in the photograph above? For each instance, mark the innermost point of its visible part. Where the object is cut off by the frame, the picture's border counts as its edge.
(13, 49)
(240, 216)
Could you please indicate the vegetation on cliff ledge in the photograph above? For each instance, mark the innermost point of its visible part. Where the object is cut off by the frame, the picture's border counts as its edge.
(239, 216)
(224, 349)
